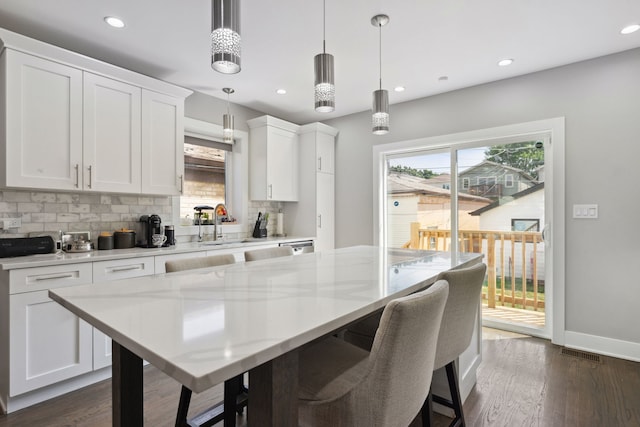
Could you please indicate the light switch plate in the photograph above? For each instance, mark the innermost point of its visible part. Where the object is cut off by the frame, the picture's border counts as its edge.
(585, 211)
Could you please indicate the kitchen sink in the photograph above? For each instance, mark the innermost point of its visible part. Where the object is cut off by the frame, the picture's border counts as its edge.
(224, 242)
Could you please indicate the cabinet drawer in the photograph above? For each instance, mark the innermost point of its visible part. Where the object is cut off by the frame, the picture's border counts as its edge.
(104, 271)
(50, 277)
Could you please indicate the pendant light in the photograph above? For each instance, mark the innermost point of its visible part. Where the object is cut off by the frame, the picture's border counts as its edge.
(380, 117)
(227, 120)
(325, 91)
(225, 36)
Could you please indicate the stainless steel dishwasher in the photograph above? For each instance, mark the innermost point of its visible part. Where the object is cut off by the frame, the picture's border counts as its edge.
(300, 246)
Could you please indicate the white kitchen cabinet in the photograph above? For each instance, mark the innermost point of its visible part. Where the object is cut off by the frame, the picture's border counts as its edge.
(47, 343)
(273, 159)
(162, 144)
(104, 271)
(68, 122)
(314, 213)
(42, 116)
(111, 135)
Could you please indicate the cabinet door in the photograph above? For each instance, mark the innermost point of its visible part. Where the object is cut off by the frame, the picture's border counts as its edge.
(48, 343)
(282, 165)
(325, 153)
(43, 123)
(325, 205)
(162, 144)
(111, 129)
(104, 271)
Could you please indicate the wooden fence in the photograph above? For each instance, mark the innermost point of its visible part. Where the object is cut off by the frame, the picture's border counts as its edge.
(511, 256)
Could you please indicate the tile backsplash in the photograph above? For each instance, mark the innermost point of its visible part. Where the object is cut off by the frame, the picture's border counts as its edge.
(43, 211)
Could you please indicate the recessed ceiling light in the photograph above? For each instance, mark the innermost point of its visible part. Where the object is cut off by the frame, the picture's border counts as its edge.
(399, 88)
(505, 62)
(281, 91)
(114, 22)
(630, 29)
(443, 78)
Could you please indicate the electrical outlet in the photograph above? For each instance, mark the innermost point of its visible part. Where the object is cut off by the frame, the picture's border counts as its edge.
(8, 223)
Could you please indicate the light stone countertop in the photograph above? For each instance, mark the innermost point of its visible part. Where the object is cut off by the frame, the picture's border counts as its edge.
(204, 326)
(44, 260)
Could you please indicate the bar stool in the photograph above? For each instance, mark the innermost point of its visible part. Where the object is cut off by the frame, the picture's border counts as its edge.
(258, 254)
(341, 384)
(234, 391)
(458, 320)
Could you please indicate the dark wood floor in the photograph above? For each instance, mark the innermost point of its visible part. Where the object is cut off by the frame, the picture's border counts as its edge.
(522, 381)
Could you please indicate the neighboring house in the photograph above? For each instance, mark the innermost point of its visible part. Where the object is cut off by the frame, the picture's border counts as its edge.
(413, 199)
(493, 180)
(522, 211)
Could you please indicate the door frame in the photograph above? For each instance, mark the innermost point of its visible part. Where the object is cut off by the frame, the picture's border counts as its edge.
(552, 131)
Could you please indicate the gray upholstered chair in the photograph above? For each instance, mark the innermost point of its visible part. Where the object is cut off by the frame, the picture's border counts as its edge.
(341, 384)
(258, 254)
(465, 287)
(198, 262)
(234, 387)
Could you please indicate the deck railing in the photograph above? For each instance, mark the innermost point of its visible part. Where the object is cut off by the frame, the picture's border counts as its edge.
(515, 261)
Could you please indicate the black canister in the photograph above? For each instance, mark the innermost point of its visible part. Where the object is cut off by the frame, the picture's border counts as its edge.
(105, 241)
(170, 233)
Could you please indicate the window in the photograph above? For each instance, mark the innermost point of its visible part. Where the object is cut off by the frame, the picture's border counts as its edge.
(465, 183)
(488, 181)
(205, 175)
(508, 180)
(525, 225)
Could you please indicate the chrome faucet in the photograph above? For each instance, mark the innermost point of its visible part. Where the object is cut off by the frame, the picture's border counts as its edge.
(217, 231)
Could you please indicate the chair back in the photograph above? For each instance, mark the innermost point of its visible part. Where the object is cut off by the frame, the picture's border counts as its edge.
(258, 254)
(198, 262)
(458, 320)
(402, 358)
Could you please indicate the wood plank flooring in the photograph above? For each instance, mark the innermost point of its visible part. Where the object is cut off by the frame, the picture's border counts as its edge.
(522, 381)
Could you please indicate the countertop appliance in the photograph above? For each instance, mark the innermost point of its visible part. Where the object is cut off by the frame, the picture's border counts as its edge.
(300, 246)
(150, 225)
(20, 246)
(77, 241)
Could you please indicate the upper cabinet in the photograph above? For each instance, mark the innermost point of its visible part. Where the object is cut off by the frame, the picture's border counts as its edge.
(273, 159)
(42, 123)
(162, 144)
(68, 122)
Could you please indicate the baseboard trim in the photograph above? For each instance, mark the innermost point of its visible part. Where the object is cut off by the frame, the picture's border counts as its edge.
(602, 345)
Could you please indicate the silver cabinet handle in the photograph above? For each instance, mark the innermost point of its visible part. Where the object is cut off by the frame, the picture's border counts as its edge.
(320, 221)
(319, 163)
(270, 192)
(181, 184)
(90, 172)
(77, 168)
(59, 276)
(126, 268)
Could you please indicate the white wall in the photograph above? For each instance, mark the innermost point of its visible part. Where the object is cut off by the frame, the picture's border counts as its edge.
(599, 100)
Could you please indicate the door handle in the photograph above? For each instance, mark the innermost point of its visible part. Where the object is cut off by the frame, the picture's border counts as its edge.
(320, 221)
(90, 173)
(77, 168)
(181, 184)
(270, 192)
(320, 163)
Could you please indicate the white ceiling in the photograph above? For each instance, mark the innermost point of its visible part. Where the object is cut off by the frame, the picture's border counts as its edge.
(424, 40)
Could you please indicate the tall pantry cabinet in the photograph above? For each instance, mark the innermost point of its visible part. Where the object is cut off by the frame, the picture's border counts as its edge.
(314, 213)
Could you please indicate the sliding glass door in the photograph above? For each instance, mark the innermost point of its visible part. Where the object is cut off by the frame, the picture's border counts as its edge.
(486, 197)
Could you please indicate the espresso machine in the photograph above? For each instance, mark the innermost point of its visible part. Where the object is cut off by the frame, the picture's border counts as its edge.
(150, 225)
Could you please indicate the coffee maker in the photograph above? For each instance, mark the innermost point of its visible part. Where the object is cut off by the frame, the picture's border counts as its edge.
(150, 224)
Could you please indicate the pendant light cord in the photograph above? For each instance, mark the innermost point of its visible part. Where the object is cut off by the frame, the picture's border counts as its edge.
(380, 51)
(324, 24)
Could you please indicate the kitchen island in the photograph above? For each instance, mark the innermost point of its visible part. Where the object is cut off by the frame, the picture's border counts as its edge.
(203, 327)
(44, 349)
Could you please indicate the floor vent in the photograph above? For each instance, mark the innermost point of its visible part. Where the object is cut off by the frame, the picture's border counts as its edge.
(581, 355)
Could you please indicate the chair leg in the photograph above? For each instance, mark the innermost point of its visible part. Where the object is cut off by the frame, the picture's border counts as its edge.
(232, 389)
(426, 412)
(452, 378)
(183, 407)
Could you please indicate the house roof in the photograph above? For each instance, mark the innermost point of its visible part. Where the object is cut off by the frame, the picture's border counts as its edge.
(497, 165)
(399, 183)
(514, 196)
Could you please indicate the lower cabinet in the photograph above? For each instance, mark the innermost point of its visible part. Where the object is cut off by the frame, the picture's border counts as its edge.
(104, 271)
(47, 343)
